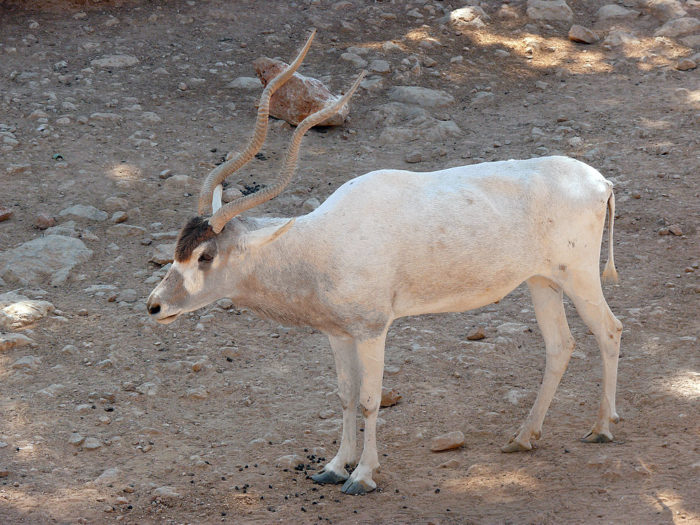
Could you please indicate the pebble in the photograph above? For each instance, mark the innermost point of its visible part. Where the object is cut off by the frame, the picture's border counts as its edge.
(354, 59)
(119, 217)
(310, 204)
(686, 64)
(414, 157)
(43, 221)
(28, 362)
(198, 392)
(10, 341)
(450, 463)
(289, 461)
(380, 66)
(5, 213)
(83, 408)
(549, 10)
(163, 253)
(92, 443)
(246, 83)
(84, 211)
(447, 441)
(76, 439)
(165, 493)
(582, 35)
(390, 397)
(109, 475)
(477, 335)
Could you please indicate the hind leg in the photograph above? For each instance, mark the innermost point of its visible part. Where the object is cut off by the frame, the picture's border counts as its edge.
(547, 298)
(586, 293)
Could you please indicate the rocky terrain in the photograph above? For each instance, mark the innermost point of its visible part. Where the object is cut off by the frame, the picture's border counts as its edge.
(113, 112)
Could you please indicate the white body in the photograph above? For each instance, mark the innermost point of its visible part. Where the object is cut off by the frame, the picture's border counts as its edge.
(394, 243)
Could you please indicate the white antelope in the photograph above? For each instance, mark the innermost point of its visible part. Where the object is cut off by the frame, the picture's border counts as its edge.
(394, 243)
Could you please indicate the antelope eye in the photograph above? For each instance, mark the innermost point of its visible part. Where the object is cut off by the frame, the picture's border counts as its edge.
(205, 258)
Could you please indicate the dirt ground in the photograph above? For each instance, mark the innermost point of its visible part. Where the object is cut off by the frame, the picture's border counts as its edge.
(190, 420)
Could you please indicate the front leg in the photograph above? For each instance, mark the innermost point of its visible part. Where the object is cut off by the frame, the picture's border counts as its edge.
(371, 356)
(348, 371)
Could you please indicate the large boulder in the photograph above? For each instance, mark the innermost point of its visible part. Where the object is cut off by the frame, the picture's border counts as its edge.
(47, 258)
(299, 97)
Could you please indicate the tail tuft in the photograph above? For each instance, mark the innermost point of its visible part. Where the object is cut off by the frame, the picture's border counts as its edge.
(609, 272)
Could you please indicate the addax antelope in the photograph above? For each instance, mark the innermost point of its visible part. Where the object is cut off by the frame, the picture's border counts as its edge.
(394, 243)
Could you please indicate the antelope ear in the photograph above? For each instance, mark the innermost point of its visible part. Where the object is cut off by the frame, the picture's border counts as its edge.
(263, 236)
(216, 198)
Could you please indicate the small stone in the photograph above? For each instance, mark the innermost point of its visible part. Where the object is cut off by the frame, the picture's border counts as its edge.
(390, 397)
(477, 335)
(163, 253)
(290, 461)
(83, 211)
(450, 463)
(165, 493)
(105, 364)
(84, 408)
(246, 83)
(110, 475)
(675, 229)
(199, 365)
(119, 217)
(380, 66)
(414, 157)
(10, 341)
(615, 12)
(198, 392)
(26, 363)
(582, 35)
(76, 439)
(355, 60)
(5, 213)
(128, 295)
(310, 204)
(43, 221)
(448, 441)
(549, 10)
(686, 64)
(92, 443)
(424, 97)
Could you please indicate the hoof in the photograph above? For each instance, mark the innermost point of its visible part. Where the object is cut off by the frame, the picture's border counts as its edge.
(358, 487)
(594, 437)
(328, 477)
(515, 446)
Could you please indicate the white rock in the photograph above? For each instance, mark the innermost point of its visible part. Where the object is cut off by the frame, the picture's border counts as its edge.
(618, 37)
(110, 475)
(679, 27)
(289, 461)
(355, 60)
(512, 328)
(10, 341)
(52, 255)
(615, 12)
(51, 390)
(447, 441)
(247, 83)
(163, 253)
(165, 493)
(549, 10)
(106, 117)
(83, 211)
(310, 204)
(115, 61)
(380, 66)
(76, 439)
(198, 392)
(468, 17)
(92, 443)
(515, 395)
(18, 311)
(424, 97)
(28, 362)
(84, 408)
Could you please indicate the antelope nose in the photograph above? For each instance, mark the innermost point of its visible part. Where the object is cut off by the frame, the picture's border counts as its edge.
(153, 308)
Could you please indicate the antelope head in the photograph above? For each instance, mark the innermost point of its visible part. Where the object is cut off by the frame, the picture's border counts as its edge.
(210, 249)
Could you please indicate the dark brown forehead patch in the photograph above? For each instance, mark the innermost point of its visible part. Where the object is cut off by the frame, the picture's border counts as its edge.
(196, 231)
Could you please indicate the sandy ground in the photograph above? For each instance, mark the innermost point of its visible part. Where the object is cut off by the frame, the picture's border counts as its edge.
(207, 407)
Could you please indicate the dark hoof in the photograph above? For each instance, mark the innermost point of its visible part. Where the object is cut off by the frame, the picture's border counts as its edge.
(357, 487)
(328, 477)
(593, 437)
